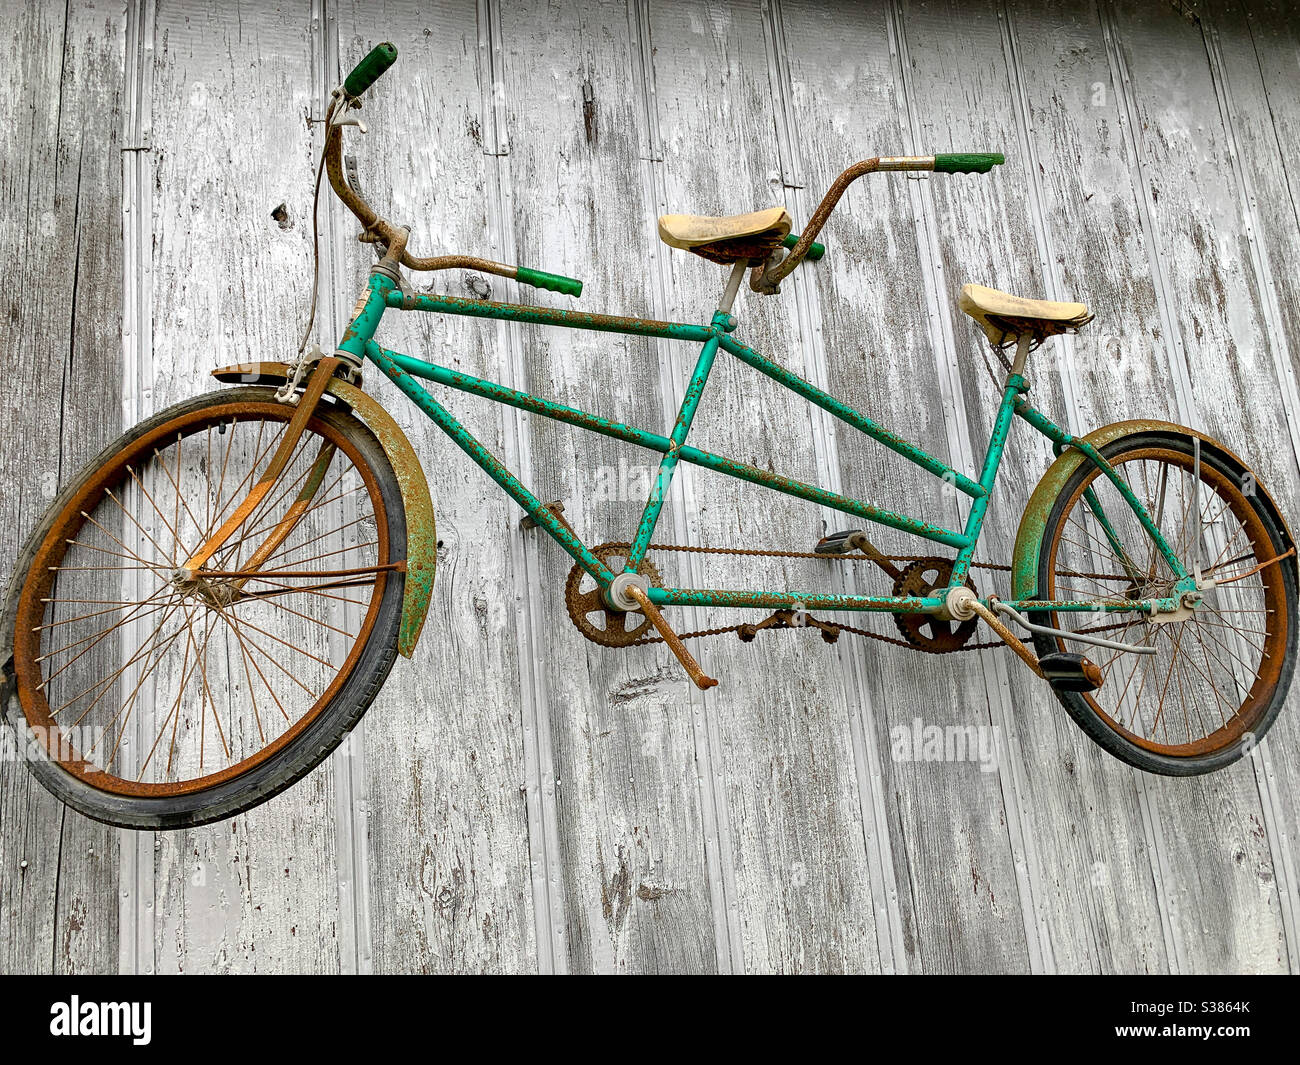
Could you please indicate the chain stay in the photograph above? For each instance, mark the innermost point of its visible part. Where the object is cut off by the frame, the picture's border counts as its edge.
(790, 619)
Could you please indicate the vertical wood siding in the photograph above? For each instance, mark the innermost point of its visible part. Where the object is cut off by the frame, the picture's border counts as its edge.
(519, 799)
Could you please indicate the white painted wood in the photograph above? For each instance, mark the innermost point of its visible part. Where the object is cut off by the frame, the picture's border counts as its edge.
(60, 314)
(1100, 860)
(1196, 221)
(629, 854)
(1247, 62)
(260, 892)
(449, 789)
(783, 54)
(714, 819)
(788, 771)
(949, 226)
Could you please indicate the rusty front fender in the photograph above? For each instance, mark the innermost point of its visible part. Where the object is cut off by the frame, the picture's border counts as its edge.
(421, 536)
(1029, 538)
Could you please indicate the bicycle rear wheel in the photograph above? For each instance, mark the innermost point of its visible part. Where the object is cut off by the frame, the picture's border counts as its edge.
(157, 699)
(1219, 677)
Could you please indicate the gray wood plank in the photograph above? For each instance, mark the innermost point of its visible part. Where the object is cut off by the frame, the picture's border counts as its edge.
(1226, 866)
(1067, 166)
(794, 848)
(448, 836)
(902, 278)
(519, 798)
(631, 849)
(59, 176)
(259, 893)
(1260, 54)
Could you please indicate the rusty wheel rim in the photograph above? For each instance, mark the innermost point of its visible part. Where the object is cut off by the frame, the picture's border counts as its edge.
(151, 488)
(1214, 674)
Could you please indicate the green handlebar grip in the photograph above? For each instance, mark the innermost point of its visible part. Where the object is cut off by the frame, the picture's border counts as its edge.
(815, 250)
(555, 282)
(967, 162)
(367, 72)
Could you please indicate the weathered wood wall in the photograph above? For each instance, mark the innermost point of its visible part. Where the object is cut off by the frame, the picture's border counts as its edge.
(518, 799)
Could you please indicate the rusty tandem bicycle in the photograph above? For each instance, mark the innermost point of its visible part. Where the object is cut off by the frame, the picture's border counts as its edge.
(209, 607)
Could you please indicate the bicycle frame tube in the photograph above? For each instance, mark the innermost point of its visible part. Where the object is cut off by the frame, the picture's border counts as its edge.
(382, 293)
(1061, 439)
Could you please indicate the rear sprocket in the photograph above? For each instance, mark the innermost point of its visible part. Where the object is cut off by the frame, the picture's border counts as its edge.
(926, 632)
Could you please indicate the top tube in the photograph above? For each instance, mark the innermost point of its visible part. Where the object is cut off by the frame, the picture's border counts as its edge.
(520, 312)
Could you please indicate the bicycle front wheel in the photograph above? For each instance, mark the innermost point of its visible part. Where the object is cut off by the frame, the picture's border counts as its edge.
(155, 698)
(1220, 675)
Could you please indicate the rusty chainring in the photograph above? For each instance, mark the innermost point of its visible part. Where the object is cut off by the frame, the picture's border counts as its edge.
(576, 599)
(587, 607)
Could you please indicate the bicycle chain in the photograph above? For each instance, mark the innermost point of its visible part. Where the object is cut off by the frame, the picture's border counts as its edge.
(783, 624)
(830, 630)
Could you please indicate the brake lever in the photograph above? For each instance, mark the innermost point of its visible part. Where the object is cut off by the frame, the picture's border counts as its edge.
(342, 105)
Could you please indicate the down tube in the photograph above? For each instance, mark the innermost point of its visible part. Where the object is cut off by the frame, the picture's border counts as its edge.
(491, 465)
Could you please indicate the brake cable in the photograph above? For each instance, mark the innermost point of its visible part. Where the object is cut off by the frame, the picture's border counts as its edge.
(315, 233)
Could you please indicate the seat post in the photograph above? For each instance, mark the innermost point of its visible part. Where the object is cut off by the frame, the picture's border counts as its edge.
(1022, 354)
(738, 269)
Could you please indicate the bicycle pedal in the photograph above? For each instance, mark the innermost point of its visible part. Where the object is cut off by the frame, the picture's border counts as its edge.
(838, 543)
(1067, 671)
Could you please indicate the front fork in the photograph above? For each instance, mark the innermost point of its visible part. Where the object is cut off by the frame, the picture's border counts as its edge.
(192, 569)
(350, 354)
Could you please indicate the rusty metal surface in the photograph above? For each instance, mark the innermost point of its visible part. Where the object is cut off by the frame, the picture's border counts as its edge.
(376, 230)
(1029, 535)
(928, 632)
(315, 388)
(1248, 715)
(594, 618)
(674, 642)
(767, 279)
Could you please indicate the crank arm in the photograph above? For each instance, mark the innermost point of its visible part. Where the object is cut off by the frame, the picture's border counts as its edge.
(320, 377)
(1081, 637)
(969, 605)
(692, 667)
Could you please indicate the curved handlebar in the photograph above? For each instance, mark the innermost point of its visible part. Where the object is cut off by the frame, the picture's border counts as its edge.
(766, 277)
(377, 230)
(763, 278)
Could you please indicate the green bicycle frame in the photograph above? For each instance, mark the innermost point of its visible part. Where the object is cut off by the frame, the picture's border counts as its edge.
(383, 294)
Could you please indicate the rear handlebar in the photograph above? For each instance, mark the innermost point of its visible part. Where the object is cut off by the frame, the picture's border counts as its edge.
(766, 277)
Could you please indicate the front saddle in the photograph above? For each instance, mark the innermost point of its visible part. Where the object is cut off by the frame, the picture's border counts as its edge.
(729, 238)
